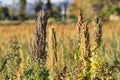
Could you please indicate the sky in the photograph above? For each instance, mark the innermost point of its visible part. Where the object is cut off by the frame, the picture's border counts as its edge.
(31, 1)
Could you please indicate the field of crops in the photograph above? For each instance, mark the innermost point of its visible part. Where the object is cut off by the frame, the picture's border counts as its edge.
(15, 39)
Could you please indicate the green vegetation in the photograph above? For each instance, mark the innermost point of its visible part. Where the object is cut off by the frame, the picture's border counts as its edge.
(84, 57)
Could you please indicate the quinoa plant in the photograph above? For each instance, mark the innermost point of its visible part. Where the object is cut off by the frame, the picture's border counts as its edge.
(86, 56)
(10, 65)
(95, 51)
(108, 71)
(83, 67)
(38, 47)
(102, 70)
(97, 32)
(52, 55)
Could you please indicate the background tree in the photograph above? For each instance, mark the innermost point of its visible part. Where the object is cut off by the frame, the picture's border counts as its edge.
(12, 10)
(110, 7)
(49, 7)
(1, 13)
(4, 13)
(56, 12)
(38, 6)
(74, 6)
(94, 7)
(86, 7)
(64, 10)
(22, 9)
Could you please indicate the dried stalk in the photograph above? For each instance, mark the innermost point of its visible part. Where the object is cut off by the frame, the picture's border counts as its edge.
(97, 32)
(79, 23)
(38, 44)
(52, 59)
(83, 34)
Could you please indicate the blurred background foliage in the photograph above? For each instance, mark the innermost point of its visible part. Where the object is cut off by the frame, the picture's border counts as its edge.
(104, 8)
(61, 11)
